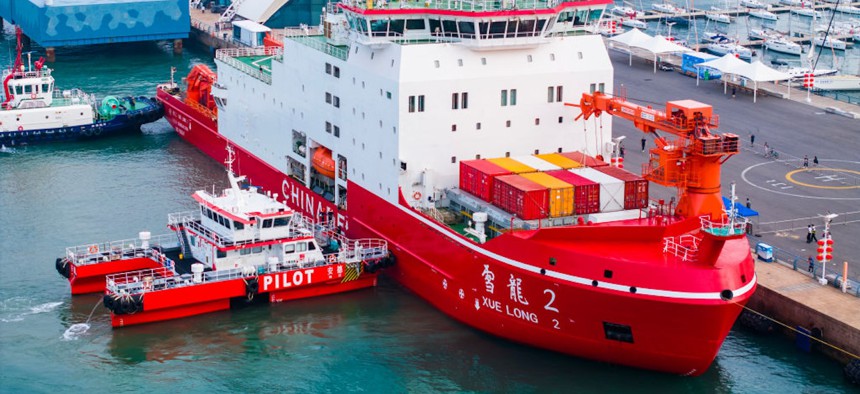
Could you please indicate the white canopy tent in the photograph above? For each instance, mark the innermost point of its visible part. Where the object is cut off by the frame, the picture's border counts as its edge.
(756, 72)
(759, 72)
(658, 45)
(728, 64)
(630, 39)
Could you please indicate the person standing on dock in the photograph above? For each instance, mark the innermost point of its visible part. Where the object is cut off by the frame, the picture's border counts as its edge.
(812, 236)
(644, 141)
(752, 139)
(749, 206)
(809, 233)
(733, 92)
(805, 161)
(815, 161)
(811, 267)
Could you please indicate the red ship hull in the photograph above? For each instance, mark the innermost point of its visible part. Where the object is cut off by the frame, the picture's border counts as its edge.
(602, 301)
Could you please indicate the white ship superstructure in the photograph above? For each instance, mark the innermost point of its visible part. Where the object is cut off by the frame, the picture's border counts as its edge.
(401, 99)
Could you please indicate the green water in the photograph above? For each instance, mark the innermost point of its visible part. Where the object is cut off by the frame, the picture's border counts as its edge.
(378, 340)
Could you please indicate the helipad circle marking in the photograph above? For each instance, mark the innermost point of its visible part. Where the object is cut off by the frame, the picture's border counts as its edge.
(751, 183)
(790, 178)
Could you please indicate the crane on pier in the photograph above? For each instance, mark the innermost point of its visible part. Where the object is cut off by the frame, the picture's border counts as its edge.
(688, 157)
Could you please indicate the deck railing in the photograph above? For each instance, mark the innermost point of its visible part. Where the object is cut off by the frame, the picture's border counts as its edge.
(113, 250)
(316, 42)
(459, 5)
(684, 246)
(230, 55)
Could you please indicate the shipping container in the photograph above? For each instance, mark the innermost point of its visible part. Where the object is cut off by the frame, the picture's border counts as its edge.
(560, 193)
(586, 193)
(476, 177)
(559, 160)
(585, 160)
(635, 187)
(520, 196)
(611, 188)
(536, 163)
(512, 165)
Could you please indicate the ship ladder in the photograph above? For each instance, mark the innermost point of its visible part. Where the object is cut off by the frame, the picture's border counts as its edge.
(183, 247)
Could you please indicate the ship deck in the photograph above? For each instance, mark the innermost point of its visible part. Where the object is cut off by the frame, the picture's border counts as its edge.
(262, 63)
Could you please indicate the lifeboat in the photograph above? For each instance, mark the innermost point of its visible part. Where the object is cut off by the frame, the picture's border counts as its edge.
(323, 162)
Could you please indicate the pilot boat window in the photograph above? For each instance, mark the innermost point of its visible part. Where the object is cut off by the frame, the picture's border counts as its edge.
(220, 254)
(311, 246)
(289, 248)
(379, 27)
(258, 249)
(28, 88)
(244, 252)
(282, 221)
(238, 225)
(267, 223)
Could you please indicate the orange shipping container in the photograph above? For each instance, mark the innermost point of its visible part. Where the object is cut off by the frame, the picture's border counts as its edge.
(560, 193)
(511, 165)
(559, 160)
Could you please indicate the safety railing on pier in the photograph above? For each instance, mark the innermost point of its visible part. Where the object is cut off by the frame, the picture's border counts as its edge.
(813, 269)
(230, 56)
(114, 250)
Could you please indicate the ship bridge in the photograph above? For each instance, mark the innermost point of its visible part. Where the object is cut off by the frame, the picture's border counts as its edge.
(474, 23)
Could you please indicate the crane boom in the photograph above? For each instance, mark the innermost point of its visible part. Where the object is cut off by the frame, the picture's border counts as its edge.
(689, 160)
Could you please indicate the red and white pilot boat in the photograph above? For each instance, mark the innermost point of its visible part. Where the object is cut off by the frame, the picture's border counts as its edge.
(239, 247)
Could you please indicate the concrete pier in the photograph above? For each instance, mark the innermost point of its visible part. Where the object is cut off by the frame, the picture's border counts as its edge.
(797, 300)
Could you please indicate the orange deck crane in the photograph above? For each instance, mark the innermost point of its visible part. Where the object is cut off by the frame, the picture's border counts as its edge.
(690, 159)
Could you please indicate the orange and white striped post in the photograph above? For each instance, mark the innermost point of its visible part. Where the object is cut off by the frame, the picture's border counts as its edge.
(844, 276)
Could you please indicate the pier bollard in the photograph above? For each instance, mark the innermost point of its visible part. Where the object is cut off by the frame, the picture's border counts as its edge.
(177, 46)
(50, 54)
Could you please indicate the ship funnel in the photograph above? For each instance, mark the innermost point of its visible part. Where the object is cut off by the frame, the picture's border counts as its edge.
(144, 236)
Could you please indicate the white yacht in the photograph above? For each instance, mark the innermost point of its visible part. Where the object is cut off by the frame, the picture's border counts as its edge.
(807, 12)
(837, 82)
(630, 22)
(782, 45)
(624, 11)
(718, 17)
(753, 4)
(729, 46)
(763, 14)
(847, 9)
(667, 8)
(830, 42)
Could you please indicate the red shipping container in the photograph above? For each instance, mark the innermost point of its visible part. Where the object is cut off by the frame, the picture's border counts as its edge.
(476, 177)
(635, 187)
(585, 160)
(586, 193)
(520, 196)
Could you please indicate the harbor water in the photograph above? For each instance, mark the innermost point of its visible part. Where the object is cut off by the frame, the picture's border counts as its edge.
(377, 340)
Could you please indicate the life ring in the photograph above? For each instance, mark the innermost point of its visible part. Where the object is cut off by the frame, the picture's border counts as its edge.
(331, 258)
(416, 196)
(93, 249)
(20, 128)
(33, 96)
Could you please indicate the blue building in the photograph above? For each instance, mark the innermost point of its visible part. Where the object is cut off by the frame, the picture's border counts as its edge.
(57, 23)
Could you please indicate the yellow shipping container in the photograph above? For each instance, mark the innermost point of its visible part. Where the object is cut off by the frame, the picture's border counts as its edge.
(560, 193)
(511, 165)
(559, 160)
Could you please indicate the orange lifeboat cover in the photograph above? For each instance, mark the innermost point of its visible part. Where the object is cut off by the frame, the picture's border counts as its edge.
(323, 162)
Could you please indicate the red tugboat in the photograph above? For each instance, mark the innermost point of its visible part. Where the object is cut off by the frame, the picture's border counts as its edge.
(238, 246)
